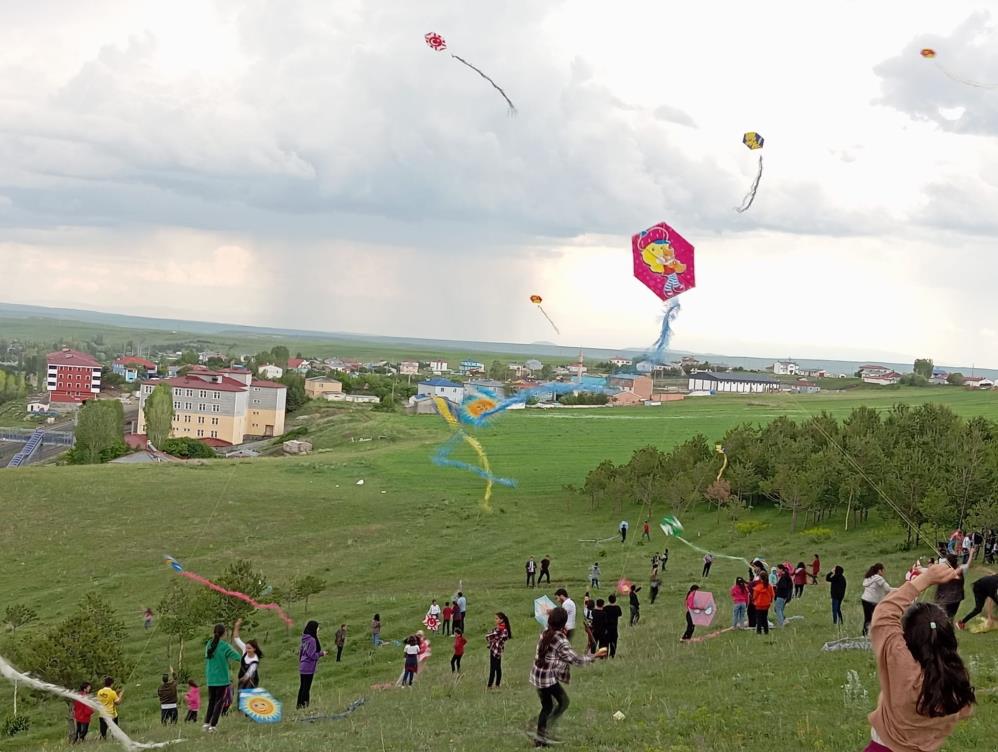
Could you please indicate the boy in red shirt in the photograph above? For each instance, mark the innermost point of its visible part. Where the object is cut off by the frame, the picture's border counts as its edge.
(448, 614)
(82, 713)
(459, 643)
(815, 569)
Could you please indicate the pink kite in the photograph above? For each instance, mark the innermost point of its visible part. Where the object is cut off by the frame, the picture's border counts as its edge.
(704, 609)
(176, 566)
(431, 622)
(663, 261)
(624, 586)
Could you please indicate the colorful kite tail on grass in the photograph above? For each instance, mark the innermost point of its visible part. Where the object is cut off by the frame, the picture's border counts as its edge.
(89, 700)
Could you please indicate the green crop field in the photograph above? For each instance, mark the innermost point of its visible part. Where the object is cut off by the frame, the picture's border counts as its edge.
(412, 532)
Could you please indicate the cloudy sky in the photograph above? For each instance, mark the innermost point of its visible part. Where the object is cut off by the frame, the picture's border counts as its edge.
(315, 165)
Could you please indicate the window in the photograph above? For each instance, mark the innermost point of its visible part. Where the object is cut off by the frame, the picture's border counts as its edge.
(187, 419)
(176, 404)
(256, 402)
(256, 389)
(214, 434)
(216, 408)
(202, 394)
(216, 395)
(202, 407)
(201, 419)
(214, 421)
(200, 432)
(188, 405)
(190, 392)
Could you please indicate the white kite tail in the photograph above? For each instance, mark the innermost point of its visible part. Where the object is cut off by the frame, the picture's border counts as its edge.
(953, 77)
(715, 555)
(16, 676)
(750, 196)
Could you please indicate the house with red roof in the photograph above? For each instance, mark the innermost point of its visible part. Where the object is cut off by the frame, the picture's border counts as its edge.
(299, 364)
(72, 377)
(132, 368)
(223, 407)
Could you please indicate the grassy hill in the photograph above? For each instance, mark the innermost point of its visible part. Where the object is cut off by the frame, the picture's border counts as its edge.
(412, 532)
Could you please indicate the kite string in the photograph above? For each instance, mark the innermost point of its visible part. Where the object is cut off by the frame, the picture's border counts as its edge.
(750, 196)
(968, 82)
(512, 107)
(127, 742)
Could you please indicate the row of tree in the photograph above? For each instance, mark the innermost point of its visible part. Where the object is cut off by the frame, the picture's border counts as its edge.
(924, 466)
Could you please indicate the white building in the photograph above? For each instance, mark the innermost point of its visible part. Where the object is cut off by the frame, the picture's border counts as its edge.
(439, 366)
(887, 378)
(708, 381)
(270, 371)
(978, 382)
(785, 368)
(441, 388)
(873, 370)
(620, 362)
(409, 367)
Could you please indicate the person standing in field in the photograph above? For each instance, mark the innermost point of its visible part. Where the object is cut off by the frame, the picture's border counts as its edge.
(462, 609)
(762, 599)
(656, 562)
(217, 654)
(496, 640)
(623, 531)
(815, 569)
(612, 615)
(594, 575)
(924, 686)
(690, 595)
(561, 595)
(167, 694)
(875, 589)
(646, 531)
(110, 700)
(837, 579)
(739, 602)
(340, 638)
(147, 619)
(309, 653)
(551, 669)
(800, 579)
(193, 701)
(656, 583)
(949, 595)
(411, 666)
(985, 588)
(531, 568)
(635, 605)
(459, 643)
(545, 569)
(448, 614)
(598, 624)
(376, 630)
(708, 559)
(784, 592)
(82, 713)
(665, 558)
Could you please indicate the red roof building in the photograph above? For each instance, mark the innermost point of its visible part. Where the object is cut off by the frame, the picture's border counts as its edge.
(72, 377)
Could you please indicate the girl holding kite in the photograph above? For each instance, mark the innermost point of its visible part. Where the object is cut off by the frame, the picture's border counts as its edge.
(689, 612)
(217, 654)
(924, 686)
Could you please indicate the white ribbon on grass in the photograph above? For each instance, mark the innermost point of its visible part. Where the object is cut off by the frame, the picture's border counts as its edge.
(17, 677)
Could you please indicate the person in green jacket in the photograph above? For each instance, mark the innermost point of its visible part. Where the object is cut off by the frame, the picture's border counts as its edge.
(217, 654)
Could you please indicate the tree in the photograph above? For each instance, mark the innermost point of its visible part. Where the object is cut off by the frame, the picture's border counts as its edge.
(218, 608)
(955, 378)
(19, 615)
(498, 371)
(924, 367)
(109, 378)
(99, 430)
(280, 354)
(181, 615)
(547, 372)
(189, 358)
(158, 412)
(87, 645)
(186, 448)
(297, 396)
(307, 586)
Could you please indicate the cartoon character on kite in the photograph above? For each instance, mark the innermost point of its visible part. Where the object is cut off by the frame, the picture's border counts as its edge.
(663, 261)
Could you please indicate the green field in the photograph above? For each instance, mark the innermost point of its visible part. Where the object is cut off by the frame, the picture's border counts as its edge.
(412, 532)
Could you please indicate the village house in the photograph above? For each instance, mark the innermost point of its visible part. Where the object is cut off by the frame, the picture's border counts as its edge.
(620, 362)
(873, 370)
(300, 365)
(978, 382)
(319, 386)
(270, 371)
(496, 387)
(439, 366)
(471, 367)
(72, 377)
(132, 368)
(785, 368)
(708, 381)
(441, 388)
(882, 378)
(409, 368)
(641, 385)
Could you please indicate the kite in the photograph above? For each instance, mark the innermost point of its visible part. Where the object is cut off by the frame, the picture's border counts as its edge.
(90, 701)
(537, 300)
(704, 609)
(542, 607)
(847, 643)
(624, 586)
(709, 635)
(720, 450)
(438, 44)
(672, 527)
(663, 262)
(431, 622)
(179, 569)
(337, 716)
(753, 141)
(484, 470)
(259, 705)
(930, 54)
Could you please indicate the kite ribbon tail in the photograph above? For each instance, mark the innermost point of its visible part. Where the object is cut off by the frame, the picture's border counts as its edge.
(512, 107)
(716, 556)
(967, 82)
(553, 325)
(239, 596)
(750, 196)
(665, 336)
(90, 701)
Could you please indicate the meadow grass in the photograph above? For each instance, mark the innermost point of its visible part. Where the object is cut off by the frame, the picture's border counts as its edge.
(412, 532)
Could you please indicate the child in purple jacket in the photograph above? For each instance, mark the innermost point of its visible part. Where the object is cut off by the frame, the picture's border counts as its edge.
(308, 656)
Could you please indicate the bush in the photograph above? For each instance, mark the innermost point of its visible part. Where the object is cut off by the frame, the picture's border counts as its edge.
(187, 448)
(14, 724)
(818, 534)
(750, 526)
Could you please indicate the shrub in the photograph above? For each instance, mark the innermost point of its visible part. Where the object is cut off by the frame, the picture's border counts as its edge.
(818, 534)
(14, 724)
(187, 448)
(750, 526)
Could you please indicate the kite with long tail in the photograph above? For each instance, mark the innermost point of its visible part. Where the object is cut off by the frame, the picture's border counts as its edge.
(753, 141)
(437, 43)
(177, 567)
(672, 527)
(930, 54)
(90, 701)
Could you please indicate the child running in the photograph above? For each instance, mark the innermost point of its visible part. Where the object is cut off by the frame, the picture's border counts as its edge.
(551, 669)
(924, 686)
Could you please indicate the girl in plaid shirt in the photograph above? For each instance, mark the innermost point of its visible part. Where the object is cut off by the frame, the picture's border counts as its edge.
(551, 670)
(497, 642)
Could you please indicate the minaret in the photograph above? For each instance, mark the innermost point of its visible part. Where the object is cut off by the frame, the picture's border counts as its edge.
(580, 364)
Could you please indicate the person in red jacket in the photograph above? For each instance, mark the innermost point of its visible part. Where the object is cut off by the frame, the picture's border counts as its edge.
(82, 713)
(800, 579)
(815, 569)
(762, 598)
(459, 643)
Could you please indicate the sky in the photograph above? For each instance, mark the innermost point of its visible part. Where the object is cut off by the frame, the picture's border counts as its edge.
(316, 165)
